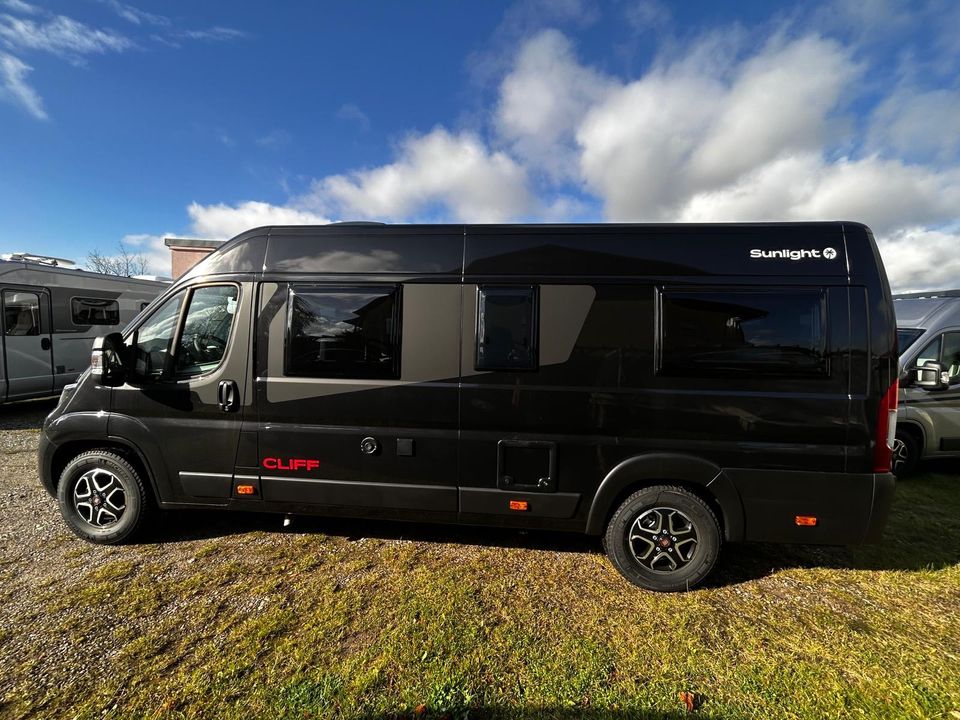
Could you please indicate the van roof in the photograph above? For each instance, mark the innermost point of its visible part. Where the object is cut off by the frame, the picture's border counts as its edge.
(925, 312)
(609, 249)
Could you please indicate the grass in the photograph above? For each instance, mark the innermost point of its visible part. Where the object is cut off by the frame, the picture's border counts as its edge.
(320, 624)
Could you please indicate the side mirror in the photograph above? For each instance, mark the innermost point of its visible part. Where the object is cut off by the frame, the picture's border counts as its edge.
(932, 376)
(106, 365)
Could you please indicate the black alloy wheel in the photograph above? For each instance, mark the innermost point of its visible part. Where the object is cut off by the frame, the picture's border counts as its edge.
(663, 538)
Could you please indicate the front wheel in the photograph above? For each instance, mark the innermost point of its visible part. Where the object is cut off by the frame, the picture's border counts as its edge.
(101, 497)
(663, 538)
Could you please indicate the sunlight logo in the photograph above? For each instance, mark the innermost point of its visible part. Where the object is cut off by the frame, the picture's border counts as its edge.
(788, 254)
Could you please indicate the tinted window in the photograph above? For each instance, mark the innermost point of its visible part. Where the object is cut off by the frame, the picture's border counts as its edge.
(343, 333)
(746, 331)
(906, 338)
(95, 311)
(506, 328)
(206, 329)
(951, 356)
(944, 349)
(21, 313)
(931, 353)
(153, 339)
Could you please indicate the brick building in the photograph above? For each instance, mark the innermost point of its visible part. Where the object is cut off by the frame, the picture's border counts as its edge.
(187, 252)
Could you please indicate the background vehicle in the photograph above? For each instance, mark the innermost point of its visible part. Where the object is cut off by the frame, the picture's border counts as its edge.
(50, 316)
(666, 386)
(928, 419)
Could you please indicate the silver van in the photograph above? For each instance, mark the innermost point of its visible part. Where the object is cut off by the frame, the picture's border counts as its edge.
(50, 314)
(928, 418)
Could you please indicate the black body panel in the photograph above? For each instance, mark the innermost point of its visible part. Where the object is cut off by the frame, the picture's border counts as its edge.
(744, 362)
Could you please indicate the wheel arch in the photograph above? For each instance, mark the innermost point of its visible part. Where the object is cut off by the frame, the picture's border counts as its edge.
(69, 450)
(917, 430)
(699, 476)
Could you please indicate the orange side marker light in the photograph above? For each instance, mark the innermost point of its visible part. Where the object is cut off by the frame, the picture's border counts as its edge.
(245, 490)
(521, 505)
(806, 520)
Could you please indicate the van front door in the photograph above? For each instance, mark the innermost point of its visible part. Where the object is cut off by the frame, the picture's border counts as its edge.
(28, 361)
(183, 402)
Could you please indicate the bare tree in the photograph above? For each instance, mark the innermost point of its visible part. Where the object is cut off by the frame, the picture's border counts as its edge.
(125, 264)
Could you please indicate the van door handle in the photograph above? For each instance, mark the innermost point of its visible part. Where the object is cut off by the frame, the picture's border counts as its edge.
(45, 343)
(228, 396)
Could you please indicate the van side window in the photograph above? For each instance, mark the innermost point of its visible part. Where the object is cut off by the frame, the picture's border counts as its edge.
(153, 340)
(750, 331)
(507, 332)
(351, 332)
(945, 349)
(21, 313)
(931, 353)
(206, 329)
(951, 356)
(95, 311)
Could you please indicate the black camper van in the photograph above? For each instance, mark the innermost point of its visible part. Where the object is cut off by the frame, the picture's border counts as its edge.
(668, 387)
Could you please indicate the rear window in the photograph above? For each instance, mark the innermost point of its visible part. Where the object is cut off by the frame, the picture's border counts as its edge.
(721, 332)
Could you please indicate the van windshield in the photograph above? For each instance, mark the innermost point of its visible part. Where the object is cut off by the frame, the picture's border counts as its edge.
(906, 337)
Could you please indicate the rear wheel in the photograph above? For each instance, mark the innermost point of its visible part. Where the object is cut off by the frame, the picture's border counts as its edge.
(663, 538)
(101, 497)
(906, 453)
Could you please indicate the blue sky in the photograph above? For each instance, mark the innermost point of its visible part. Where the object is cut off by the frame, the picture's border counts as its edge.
(128, 121)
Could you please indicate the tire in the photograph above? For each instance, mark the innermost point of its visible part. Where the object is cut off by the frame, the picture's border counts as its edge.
(674, 517)
(906, 454)
(101, 497)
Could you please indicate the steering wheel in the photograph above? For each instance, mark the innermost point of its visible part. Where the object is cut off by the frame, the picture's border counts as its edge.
(207, 347)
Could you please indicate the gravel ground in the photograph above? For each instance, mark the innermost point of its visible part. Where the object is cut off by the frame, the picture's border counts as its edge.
(55, 642)
(48, 644)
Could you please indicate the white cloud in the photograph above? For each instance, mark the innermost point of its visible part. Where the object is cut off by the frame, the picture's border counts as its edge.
(543, 99)
(354, 114)
(217, 34)
(781, 101)
(644, 15)
(918, 125)
(886, 194)
(61, 36)
(153, 249)
(14, 87)
(19, 6)
(275, 138)
(74, 41)
(455, 172)
(225, 221)
(137, 16)
(522, 20)
(917, 258)
(693, 125)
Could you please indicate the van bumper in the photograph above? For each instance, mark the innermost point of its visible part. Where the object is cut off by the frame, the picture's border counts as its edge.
(850, 508)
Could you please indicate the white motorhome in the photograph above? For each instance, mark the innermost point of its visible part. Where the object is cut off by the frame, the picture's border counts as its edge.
(51, 312)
